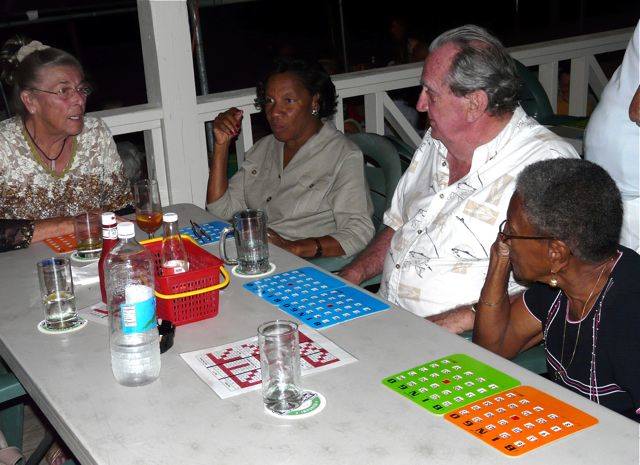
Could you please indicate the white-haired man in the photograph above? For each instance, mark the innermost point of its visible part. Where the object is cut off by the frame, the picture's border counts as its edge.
(446, 209)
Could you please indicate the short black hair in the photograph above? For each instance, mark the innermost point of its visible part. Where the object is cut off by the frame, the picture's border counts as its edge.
(575, 201)
(313, 77)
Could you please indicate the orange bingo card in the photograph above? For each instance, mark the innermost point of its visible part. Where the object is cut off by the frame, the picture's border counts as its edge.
(520, 419)
(61, 244)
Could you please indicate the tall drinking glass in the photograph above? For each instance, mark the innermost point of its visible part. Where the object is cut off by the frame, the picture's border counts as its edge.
(56, 290)
(280, 365)
(88, 232)
(148, 206)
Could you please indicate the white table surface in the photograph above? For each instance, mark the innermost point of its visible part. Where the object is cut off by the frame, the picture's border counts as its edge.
(179, 420)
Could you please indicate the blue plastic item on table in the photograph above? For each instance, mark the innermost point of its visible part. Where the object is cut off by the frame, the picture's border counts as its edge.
(315, 298)
(213, 228)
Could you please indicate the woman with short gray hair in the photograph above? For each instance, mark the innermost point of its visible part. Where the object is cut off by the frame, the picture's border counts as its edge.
(561, 234)
(55, 162)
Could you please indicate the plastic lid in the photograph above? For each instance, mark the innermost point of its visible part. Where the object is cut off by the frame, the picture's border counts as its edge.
(126, 230)
(108, 218)
(169, 217)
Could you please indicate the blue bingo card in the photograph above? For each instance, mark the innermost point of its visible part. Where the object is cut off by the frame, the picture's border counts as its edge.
(315, 298)
(213, 229)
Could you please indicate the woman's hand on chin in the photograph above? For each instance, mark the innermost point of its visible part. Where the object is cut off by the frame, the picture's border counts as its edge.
(500, 250)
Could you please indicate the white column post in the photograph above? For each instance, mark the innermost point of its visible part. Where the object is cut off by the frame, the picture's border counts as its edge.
(548, 77)
(374, 112)
(579, 86)
(245, 140)
(168, 65)
(338, 118)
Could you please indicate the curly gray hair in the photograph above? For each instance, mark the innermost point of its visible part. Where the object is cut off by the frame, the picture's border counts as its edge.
(482, 63)
(575, 201)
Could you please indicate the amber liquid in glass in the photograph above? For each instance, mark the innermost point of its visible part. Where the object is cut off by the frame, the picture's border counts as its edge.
(149, 221)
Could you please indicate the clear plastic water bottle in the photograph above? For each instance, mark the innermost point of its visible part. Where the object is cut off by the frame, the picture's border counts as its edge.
(134, 338)
(173, 256)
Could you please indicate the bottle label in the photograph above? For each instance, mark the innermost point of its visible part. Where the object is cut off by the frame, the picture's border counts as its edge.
(172, 267)
(138, 317)
(110, 233)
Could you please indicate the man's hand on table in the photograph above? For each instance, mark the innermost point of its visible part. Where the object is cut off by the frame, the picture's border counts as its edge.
(457, 320)
(352, 274)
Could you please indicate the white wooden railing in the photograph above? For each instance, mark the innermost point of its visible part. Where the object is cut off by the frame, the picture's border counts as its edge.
(161, 126)
(372, 84)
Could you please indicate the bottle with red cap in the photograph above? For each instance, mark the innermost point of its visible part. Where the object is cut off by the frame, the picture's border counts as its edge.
(173, 256)
(109, 240)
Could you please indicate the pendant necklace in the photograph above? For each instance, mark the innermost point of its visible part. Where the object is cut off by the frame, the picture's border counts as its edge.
(582, 314)
(43, 153)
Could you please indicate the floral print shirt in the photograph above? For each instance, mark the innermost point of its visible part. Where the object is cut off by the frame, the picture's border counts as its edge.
(93, 180)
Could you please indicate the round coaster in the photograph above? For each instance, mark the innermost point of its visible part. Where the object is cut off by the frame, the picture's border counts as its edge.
(234, 270)
(313, 403)
(78, 325)
(81, 260)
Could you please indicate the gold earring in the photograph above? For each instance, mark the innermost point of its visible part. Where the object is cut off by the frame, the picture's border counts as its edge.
(553, 282)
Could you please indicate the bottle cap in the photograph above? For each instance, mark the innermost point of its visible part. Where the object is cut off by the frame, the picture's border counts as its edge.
(169, 217)
(108, 218)
(126, 230)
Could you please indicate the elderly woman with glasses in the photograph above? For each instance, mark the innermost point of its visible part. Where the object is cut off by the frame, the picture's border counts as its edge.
(54, 161)
(561, 234)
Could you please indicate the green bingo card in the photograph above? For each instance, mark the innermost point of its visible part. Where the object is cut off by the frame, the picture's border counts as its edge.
(449, 383)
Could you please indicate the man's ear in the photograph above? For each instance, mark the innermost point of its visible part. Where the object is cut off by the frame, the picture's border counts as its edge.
(477, 104)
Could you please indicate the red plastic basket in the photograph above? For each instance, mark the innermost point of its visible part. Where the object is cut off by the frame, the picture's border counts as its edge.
(191, 296)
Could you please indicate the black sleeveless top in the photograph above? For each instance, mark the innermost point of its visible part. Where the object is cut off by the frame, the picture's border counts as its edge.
(601, 358)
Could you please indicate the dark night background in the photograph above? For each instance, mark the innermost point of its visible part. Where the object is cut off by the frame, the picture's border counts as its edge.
(241, 39)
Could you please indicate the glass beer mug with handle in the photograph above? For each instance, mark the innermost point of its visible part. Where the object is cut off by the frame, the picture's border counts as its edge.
(249, 228)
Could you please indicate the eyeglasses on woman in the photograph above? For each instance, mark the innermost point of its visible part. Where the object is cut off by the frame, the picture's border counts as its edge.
(505, 236)
(65, 93)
